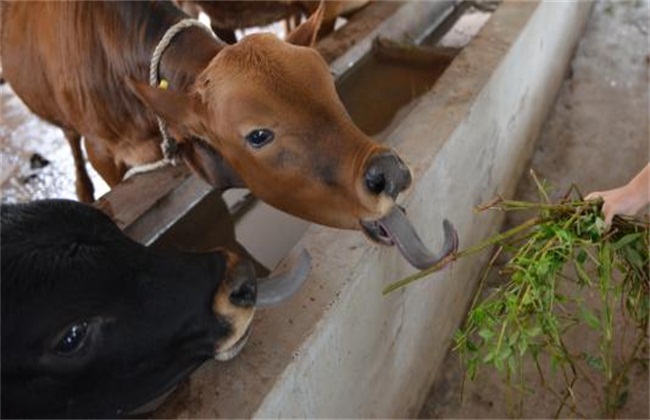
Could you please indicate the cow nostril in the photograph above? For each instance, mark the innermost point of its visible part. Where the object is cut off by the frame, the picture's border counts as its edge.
(375, 181)
(386, 173)
(244, 295)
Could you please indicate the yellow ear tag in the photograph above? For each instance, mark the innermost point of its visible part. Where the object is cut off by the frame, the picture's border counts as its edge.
(163, 84)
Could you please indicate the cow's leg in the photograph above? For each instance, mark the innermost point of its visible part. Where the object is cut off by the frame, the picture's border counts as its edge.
(103, 161)
(83, 184)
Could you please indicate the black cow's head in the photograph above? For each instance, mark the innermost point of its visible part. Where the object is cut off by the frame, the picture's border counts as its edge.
(94, 324)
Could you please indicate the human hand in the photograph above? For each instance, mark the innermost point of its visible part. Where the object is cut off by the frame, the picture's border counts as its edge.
(616, 201)
(628, 199)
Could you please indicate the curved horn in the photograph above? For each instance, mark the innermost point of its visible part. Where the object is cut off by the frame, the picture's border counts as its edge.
(409, 243)
(281, 285)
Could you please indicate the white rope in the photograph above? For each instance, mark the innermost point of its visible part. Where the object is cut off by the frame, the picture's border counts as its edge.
(168, 145)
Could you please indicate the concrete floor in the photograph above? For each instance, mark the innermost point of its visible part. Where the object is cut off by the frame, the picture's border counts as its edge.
(597, 136)
(24, 136)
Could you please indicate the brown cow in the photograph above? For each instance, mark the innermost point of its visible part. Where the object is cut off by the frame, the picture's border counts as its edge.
(264, 107)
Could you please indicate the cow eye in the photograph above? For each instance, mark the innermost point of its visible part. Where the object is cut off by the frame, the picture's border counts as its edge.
(73, 339)
(259, 137)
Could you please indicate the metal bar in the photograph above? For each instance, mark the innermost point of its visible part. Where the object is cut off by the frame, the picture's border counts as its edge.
(410, 23)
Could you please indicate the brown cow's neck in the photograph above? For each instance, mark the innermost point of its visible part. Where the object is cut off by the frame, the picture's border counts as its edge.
(130, 32)
(144, 25)
(188, 54)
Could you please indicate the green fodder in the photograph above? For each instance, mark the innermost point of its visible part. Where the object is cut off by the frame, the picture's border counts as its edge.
(528, 315)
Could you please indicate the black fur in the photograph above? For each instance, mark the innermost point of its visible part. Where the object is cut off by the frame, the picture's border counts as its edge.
(150, 314)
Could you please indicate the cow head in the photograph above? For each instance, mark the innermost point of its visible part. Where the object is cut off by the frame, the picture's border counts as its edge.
(95, 325)
(270, 108)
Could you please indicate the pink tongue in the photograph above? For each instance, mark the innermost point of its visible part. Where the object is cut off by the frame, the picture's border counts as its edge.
(400, 230)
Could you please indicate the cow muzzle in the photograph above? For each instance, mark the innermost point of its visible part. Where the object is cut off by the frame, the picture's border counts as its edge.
(242, 292)
(386, 174)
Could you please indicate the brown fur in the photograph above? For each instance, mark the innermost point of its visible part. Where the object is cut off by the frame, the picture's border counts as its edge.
(79, 64)
(70, 67)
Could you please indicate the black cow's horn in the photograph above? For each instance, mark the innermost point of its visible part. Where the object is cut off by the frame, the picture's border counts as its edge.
(281, 285)
(409, 243)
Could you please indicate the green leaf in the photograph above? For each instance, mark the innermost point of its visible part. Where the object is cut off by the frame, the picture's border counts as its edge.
(534, 331)
(476, 315)
(489, 357)
(605, 268)
(512, 365)
(559, 298)
(498, 363)
(625, 240)
(563, 235)
(594, 362)
(486, 334)
(582, 274)
(522, 345)
(542, 269)
(505, 353)
(472, 368)
(592, 320)
(513, 337)
(600, 225)
(554, 363)
(634, 257)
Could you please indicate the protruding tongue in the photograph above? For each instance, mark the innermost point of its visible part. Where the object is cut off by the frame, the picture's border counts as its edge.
(402, 233)
(281, 285)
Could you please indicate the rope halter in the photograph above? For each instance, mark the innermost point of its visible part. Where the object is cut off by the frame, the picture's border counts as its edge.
(168, 146)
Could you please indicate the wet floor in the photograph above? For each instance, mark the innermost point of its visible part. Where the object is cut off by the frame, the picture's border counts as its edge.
(35, 159)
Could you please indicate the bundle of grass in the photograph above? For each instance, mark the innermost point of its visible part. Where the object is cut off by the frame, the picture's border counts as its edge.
(530, 312)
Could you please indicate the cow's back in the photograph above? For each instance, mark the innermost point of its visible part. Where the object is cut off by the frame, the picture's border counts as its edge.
(44, 57)
(69, 62)
(24, 50)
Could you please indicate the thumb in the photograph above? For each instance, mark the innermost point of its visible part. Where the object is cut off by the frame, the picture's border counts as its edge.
(593, 195)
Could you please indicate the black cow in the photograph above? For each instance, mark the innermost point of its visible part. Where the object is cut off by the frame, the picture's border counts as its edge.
(95, 324)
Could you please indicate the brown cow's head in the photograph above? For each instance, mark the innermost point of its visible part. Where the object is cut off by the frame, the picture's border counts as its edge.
(270, 108)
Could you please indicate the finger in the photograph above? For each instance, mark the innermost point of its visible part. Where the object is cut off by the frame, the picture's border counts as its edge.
(608, 219)
(608, 212)
(594, 195)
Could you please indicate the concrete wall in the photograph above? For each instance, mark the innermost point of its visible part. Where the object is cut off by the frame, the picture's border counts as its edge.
(341, 349)
(375, 356)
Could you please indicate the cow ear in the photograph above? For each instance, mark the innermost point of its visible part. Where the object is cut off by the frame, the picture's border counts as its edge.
(305, 34)
(176, 109)
(208, 163)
